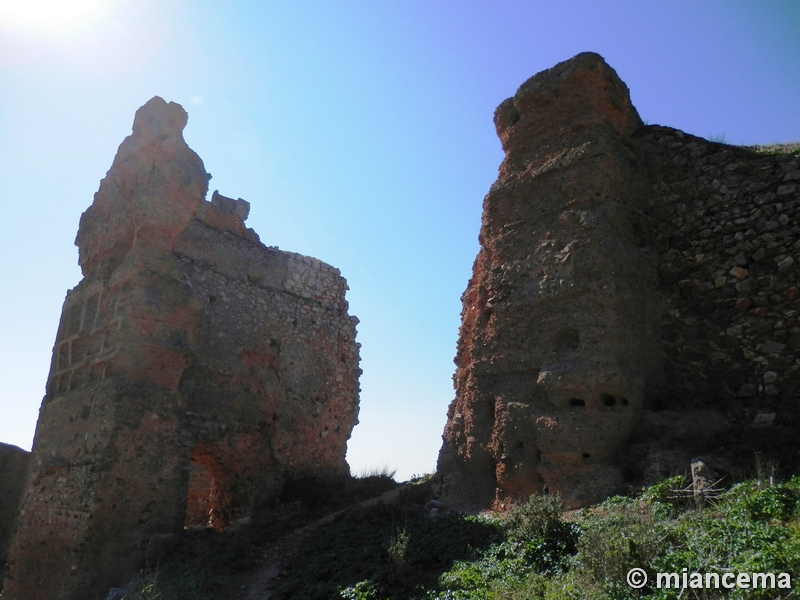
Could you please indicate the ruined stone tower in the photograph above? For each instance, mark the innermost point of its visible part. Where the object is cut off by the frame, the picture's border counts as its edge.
(553, 353)
(634, 302)
(193, 371)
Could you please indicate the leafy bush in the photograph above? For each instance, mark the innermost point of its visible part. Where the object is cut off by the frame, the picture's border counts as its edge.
(621, 534)
(775, 502)
(751, 528)
(546, 540)
(673, 495)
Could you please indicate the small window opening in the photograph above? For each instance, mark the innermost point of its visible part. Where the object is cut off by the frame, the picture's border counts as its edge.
(608, 399)
(577, 402)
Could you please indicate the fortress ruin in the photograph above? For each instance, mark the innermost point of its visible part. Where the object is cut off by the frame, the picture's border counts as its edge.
(634, 302)
(194, 370)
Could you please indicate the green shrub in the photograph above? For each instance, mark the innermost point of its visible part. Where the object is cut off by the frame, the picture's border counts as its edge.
(776, 502)
(546, 540)
(672, 496)
(622, 533)
(396, 552)
(363, 590)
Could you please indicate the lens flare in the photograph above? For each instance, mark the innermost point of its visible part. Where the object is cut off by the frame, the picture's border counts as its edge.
(54, 15)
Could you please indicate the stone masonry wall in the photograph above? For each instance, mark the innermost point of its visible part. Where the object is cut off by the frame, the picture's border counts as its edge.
(13, 471)
(634, 303)
(555, 347)
(727, 231)
(194, 370)
(723, 222)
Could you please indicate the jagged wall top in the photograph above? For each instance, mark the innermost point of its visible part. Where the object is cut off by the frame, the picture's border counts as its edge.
(155, 120)
(194, 370)
(155, 187)
(570, 96)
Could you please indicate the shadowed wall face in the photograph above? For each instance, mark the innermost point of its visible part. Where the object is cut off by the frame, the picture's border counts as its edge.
(13, 472)
(194, 369)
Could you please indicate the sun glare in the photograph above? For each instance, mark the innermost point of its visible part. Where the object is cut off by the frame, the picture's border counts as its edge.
(54, 15)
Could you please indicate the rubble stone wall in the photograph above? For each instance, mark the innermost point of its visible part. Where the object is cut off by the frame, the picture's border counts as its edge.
(726, 227)
(634, 302)
(194, 370)
(13, 472)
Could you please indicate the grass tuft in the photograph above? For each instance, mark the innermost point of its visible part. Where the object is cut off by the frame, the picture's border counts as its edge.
(375, 471)
(718, 138)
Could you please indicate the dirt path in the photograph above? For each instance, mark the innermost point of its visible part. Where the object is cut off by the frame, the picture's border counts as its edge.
(260, 586)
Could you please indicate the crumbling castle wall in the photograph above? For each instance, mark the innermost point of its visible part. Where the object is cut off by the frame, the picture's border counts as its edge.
(725, 228)
(634, 300)
(13, 471)
(554, 347)
(193, 371)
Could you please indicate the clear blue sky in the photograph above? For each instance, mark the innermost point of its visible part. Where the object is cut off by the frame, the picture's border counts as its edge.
(360, 132)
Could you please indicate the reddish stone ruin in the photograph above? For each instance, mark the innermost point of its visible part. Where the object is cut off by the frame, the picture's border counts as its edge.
(194, 370)
(633, 303)
(553, 350)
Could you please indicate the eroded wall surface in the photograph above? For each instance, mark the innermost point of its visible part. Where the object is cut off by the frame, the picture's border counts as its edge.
(554, 348)
(725, 228)
(13, 471)
(193, 371)
(634, 302)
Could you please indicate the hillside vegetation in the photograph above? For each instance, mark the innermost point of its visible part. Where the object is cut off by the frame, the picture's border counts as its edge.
(394, 551)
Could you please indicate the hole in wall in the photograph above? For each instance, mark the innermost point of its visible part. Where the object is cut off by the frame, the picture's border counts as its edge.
(623, 401)
(520, 445)
(566, 339)
(608, 399)
(586, 455)
(577, 402)
(212, 299)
